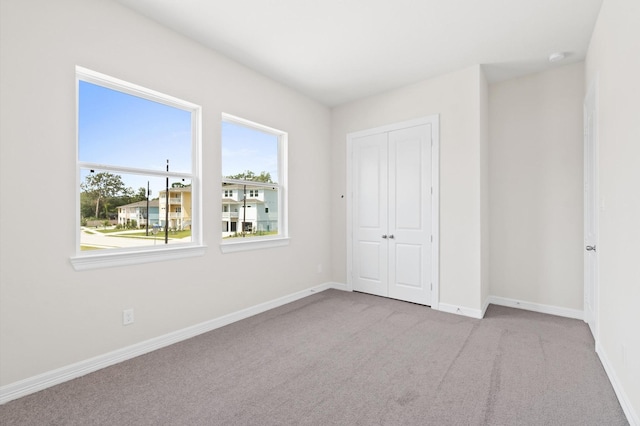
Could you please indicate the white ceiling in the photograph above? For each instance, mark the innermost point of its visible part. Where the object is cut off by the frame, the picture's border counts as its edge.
(337, 51)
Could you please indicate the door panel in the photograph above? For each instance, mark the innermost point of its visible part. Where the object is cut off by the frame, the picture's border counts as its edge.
(408, 266)
(370, 250)
(410, 214)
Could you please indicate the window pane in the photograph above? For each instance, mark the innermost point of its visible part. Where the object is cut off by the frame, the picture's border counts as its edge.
(250, 212)
(115, 213)
(249, 153)
(119, 129)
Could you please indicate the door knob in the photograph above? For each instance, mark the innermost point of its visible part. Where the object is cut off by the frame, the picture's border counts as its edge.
(391, 236)
(591, 248)
(384, 236)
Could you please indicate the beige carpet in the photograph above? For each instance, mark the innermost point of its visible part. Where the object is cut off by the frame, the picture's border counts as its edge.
(338, 358)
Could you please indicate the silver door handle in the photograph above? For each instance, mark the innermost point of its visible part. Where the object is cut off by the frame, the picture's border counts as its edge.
(391, 236)
(591, 248)
(384, 236)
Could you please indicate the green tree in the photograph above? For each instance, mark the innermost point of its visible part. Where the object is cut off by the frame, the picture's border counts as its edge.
(249, 175)
(141, 194)
(102, 186)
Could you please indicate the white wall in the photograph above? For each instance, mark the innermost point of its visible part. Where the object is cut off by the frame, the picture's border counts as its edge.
(456, 97)
(536, 187)
(52, 316)
(613, 59)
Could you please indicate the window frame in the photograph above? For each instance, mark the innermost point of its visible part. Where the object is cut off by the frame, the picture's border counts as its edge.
(282, 238)
(93, 259)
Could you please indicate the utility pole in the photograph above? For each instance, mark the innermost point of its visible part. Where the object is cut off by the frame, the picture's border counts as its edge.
(166, 210)
(244, 214)
(148, 193)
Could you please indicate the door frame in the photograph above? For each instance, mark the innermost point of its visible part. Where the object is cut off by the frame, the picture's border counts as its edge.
(590, 106)
(434, 122)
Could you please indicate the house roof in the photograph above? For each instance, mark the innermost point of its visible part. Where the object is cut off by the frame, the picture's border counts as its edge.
(143, 203)
(180, 189)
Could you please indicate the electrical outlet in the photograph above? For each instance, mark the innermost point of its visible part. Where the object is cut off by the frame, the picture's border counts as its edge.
(127, 317)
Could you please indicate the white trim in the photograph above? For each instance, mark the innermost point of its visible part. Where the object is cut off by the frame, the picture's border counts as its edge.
(537, 307)
(435, 212)
(434, 122)
(429, 119)
(625, 402)
(460, 310)
(104, 80)
(248, 123)
(113, 258)
(485, 306)
(591, 98)
(338, 286)
(255, 243)
(282, 185)
(83, 260)
(45, 380)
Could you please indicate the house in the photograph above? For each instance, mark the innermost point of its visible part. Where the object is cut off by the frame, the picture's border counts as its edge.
(255, 209)
(137, 212)
(510, 181)
(179, 205)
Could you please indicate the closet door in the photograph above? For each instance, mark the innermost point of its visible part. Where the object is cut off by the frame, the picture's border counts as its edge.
(391, 216)
(409, 229)
(370, 215)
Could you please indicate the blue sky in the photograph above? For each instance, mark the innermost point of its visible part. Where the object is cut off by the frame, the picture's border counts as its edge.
(119, 129)
(244, 148)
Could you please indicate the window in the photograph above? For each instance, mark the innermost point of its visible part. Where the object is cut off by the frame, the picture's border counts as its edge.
(138, 174)
(254, 166)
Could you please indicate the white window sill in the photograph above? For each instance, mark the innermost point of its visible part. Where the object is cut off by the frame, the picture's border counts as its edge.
(108, 258)
(246, 244)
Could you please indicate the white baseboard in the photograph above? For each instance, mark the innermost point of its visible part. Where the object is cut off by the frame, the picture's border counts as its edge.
(625, 403)
(338, 286)
(536, 307)
(460, 310)
(42, 381)
(485, 305)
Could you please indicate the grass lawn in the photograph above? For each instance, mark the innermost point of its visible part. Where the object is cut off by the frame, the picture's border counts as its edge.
(108, 231)
(85, 248)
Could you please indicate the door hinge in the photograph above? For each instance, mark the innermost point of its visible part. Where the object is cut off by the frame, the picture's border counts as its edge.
(431, 286)
(432, 238)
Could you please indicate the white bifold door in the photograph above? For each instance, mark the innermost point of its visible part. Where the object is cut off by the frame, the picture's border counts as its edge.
(391, 213)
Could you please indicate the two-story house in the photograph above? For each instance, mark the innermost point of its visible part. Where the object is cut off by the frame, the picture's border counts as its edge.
(248, 209)
(179, 208)
(137, 212)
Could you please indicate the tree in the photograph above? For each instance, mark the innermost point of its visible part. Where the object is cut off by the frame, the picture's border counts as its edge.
(102, 186)
(141, 194)
(249, 175)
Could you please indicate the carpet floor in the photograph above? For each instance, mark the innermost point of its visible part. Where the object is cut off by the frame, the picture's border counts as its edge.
(339, 358)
